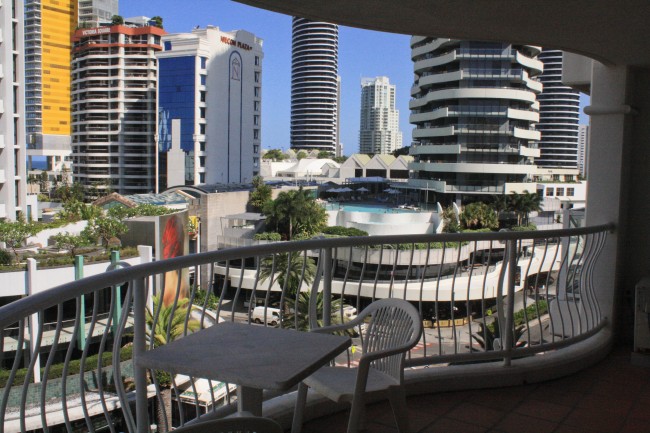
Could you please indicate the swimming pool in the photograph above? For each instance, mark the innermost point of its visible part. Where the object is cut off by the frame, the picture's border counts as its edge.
(373, 208)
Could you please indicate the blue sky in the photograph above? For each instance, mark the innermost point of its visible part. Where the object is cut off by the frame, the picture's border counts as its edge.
(362, 53)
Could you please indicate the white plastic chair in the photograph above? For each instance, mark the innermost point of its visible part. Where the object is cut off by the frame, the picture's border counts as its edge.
(393, 328)
(242, 424)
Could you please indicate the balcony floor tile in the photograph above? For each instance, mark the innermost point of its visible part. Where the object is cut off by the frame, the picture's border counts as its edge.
(610, 397)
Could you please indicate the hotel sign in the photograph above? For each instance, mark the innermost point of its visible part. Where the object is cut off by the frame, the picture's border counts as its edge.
(97, 31)
(228, 41)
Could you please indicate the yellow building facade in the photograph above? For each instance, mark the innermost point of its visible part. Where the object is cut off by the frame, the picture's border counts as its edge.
(58, 22)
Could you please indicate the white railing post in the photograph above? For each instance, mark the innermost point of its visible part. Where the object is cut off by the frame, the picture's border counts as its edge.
(139, 347)
(327, 287)
(508, 330)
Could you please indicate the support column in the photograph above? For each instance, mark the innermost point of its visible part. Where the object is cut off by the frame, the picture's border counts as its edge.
(608, 174)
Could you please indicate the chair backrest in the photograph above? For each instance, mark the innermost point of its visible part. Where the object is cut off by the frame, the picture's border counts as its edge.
(394, 323)
(245, 424)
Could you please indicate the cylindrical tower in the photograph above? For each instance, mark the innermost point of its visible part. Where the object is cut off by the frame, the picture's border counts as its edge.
(314, 85)
(559, 113)
(475, 108)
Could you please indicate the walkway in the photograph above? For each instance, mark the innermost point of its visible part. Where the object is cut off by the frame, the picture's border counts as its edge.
(611, 397)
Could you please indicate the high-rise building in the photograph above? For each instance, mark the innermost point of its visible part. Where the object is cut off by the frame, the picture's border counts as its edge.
(314, 85)
(114, 78)
(379, 127)
(559, 112)
(49, 25)
(583, 146)
(94, 13)
(13, 193)
(210, 99)
(475, 109)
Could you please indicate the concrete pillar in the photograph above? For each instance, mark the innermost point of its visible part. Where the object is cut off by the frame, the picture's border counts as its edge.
(32, 267)
(608, 175)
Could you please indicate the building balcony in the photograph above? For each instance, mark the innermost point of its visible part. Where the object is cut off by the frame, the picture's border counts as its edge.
(536, 289)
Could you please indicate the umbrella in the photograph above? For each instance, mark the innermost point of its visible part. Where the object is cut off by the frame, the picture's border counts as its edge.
(333, 190)
(346, 189)
(393, 191)
(362, 189)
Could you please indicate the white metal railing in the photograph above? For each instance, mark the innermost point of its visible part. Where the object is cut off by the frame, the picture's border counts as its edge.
(482, 296)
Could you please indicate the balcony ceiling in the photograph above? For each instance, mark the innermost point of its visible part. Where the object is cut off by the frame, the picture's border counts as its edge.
(612, 32)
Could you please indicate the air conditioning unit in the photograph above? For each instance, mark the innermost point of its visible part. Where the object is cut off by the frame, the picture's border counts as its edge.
(641, 354)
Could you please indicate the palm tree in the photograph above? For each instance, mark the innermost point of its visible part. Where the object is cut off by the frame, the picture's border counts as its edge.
(532, 203)
(298, 316)
(169, 326)
(487, 336)
(293, 271)
(294, 212)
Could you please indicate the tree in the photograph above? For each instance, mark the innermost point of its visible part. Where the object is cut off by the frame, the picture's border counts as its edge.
(274, 154)
(295, 271)
(295, 212)
(44, 182)
(401, 151)
(260, 194)
(477, 216)
(169, 326)
(146, 209)
(340, 159)
(489, 337)
(67, 192)
(70, 242)
(451, 224)
(301, 155)
(117, 20)
(105, 229)
(298, 311)
(157, 21)
(523, 204)
(14, 234)
(76, 211)
(324, 154)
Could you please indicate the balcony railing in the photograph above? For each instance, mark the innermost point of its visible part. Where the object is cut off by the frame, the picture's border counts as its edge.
(484, 298)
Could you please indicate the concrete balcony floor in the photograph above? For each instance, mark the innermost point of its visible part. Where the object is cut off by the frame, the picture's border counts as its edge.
(612, 396)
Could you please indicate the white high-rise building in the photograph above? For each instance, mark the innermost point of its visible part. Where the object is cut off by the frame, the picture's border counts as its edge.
(209, 107)
(475, 109)
(583, 149)
(94, 13)
(559, 111)
(13, 192)
(114, 78)
(379, 126)
(314, 86)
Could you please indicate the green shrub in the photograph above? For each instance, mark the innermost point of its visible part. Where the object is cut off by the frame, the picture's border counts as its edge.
(56, 370)
(344, 231)
(6, 258)
(526, 228)
(268, 236)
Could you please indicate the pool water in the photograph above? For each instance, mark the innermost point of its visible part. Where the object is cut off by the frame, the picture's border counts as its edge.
(371, 208)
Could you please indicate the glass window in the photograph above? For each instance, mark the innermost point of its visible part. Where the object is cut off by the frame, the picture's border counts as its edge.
(168, 45)
(204, 79)
(549, 192)
(204, 62)
(570, 192)
(559, 192)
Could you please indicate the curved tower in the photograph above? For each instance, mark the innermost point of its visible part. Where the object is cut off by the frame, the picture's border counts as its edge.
(314, 85)
(559, 113)
(475, 109)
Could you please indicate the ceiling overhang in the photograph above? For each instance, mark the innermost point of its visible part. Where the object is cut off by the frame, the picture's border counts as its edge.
(608, 31)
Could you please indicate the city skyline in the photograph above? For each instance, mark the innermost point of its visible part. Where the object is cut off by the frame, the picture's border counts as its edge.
(362, 53)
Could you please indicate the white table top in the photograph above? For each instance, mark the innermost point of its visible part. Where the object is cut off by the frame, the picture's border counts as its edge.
(247, 355)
